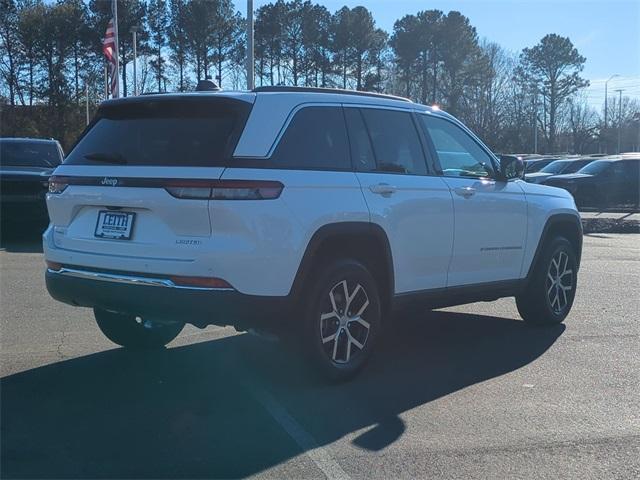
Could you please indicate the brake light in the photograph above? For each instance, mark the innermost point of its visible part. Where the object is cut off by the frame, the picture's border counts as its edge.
(246, 190)
(226, 189)
(189, 189)
(57, 184)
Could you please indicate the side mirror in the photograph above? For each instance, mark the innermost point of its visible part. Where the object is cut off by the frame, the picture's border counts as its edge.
(511, 167)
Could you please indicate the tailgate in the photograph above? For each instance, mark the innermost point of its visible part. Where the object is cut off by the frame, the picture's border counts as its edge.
(137, 183)
(160, 221)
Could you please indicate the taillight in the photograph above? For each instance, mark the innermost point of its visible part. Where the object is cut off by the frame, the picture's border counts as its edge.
(57, 184)
(189, 189)
(246, 190)
(226, 189)
(195, 188)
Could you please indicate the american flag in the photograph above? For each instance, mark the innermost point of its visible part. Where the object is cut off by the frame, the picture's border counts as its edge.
(109, 50)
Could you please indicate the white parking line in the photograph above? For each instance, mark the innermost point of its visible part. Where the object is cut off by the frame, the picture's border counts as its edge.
(318, 455)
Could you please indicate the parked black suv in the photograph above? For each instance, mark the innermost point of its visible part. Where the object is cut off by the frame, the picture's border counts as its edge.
(612, 182)
(25, 167)
(557, 167)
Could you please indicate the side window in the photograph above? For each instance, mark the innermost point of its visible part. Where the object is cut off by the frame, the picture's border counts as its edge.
(315, 139)
(458, 153)
(395, 141)
(626, 168)
(618, 169)
(361, 151)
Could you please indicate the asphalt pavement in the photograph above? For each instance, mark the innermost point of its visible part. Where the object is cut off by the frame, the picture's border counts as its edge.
(466, 392)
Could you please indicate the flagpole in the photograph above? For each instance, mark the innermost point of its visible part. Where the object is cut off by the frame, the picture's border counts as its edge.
(250, 47)
(117, 42)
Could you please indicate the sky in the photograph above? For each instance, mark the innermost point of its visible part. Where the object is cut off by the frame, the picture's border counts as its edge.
(606, 32)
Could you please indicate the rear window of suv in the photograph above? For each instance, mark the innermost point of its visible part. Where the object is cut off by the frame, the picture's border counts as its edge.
(163, 132)
(29, 154)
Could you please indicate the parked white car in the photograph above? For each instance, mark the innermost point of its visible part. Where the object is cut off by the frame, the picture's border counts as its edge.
(308, 211)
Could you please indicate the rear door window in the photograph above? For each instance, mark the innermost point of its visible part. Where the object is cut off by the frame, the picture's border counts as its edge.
(315, 139)
(361, 152)
(626, 169)
(395, 141)
(178, 132)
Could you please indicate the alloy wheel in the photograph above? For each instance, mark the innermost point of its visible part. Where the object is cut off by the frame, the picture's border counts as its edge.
(559, 282)
(344, 330)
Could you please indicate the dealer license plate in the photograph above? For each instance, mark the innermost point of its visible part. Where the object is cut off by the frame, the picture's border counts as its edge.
(116, 225)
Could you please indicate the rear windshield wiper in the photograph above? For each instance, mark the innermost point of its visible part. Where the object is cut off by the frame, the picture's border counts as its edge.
(106, 157)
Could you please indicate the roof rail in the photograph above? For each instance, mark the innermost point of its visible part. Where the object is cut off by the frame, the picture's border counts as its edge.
(279, 88)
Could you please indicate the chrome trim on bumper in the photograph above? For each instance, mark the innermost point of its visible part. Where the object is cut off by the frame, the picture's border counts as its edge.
(127, 279)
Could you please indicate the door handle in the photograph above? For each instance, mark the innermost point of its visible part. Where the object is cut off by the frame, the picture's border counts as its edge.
(383, 189)
(465, 192)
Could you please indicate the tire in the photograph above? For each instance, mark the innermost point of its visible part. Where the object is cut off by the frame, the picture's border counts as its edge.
(549, 295)
(337, 338)
(127, 331)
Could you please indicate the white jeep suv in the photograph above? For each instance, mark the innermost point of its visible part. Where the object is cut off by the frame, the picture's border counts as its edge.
(292, 210)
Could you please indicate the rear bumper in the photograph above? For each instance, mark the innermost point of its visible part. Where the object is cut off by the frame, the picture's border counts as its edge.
(161, 299)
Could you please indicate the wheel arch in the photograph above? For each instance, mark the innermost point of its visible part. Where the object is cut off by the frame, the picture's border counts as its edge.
(565, 224)
(364, 241)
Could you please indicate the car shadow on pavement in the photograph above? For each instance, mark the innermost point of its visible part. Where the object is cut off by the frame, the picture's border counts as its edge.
(199, 410)
(25, 238)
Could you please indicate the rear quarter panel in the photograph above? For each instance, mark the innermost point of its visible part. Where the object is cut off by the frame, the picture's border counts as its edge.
(257, 246)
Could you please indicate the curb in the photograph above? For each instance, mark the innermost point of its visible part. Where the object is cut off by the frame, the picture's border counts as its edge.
(610, 225)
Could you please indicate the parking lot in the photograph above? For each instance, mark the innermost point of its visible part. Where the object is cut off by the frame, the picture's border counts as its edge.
(465, 392)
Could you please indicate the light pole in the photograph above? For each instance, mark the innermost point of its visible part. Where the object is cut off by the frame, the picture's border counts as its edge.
(86, 97)
(606, 98)
(134, 33)
(535, 121)
(619, 118)
(250, 74)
